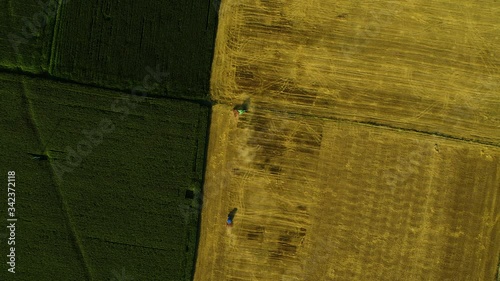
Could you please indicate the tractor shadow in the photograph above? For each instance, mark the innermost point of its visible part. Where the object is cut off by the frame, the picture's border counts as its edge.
(232, 214)
(244, 106)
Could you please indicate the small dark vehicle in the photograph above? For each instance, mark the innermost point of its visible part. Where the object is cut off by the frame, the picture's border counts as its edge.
(241, 108)
(230, 217)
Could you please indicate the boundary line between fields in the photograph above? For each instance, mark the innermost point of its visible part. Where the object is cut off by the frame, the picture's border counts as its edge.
(49, 77)
(210, 103)
(203, 178)
(387, 126)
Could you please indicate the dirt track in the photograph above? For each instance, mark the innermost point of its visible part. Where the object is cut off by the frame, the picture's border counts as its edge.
(372, 148)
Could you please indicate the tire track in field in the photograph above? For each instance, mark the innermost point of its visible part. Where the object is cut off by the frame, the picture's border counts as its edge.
(376, 124)
(64, 206)
(53, 54)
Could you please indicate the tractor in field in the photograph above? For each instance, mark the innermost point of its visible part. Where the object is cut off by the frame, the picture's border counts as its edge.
(230, 217)
(241, 108)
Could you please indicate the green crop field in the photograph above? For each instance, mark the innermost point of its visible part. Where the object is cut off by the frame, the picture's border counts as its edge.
(108, 182)
(26, 29)
(105, 42)
(118, 192)
(44, 239)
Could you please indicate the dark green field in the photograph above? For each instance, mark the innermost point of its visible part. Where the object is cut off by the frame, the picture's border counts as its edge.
(117, 207)
(111, 40)
(108, 183)
(109, 43)
(26, 43)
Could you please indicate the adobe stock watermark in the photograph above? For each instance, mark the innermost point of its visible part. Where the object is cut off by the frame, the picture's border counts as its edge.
(409, 166)
(372, 28)
(33, 26)
(94, 137)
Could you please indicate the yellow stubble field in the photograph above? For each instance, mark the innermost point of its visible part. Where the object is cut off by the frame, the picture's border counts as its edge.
(371, 150)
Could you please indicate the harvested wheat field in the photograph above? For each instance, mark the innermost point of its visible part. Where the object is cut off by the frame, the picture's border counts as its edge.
(371, 149)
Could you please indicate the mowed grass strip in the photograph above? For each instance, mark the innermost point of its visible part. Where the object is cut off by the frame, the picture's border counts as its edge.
(26, 30)
(125, 181)
(106, 42)
(413, 65)
(333, 200)
(44, 243)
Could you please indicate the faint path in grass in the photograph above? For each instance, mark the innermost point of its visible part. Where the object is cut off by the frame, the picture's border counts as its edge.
(64, 206)
(53, 53)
